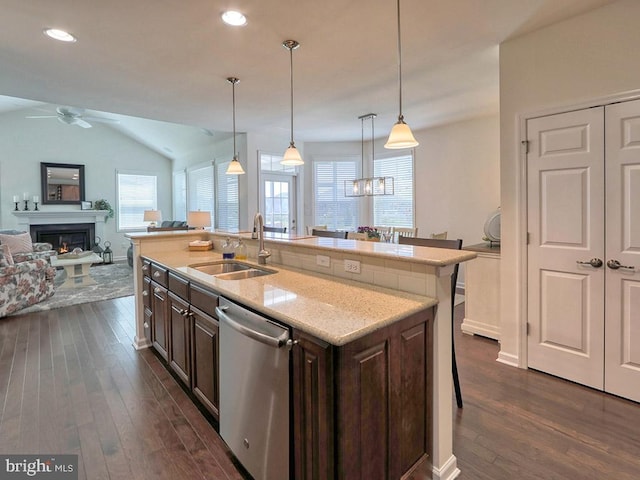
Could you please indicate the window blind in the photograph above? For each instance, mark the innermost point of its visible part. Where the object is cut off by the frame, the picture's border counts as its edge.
(332, 208)
(395, 210)
(136, 193)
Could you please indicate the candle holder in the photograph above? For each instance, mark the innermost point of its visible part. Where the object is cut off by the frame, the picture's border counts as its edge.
(26, 205)
(17, 209)
(36, 205)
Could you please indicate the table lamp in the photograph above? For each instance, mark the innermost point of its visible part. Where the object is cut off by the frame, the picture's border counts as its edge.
(199, 219)
(153, 216)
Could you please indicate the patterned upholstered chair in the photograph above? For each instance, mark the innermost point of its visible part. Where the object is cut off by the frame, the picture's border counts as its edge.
(22, 249)
(23, 283)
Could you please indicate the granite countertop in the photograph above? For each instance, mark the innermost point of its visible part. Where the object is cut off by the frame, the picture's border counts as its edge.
(334, 310)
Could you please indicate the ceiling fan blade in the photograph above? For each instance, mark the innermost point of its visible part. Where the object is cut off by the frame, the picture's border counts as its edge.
(81, 123)
(100, 119)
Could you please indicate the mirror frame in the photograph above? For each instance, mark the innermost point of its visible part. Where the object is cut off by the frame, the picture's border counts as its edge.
(44, 183)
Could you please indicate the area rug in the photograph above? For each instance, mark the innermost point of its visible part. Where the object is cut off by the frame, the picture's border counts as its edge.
(112, 281)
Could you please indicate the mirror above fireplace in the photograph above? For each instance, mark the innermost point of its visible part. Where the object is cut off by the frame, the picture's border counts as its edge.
(62, 183)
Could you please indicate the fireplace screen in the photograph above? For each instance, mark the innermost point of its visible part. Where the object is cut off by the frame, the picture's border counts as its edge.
(65, 237)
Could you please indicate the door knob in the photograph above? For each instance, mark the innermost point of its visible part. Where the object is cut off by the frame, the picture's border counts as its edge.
(594, 262)
(615, 265)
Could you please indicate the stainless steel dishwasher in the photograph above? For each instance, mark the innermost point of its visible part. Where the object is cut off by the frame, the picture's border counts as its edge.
(254, 390)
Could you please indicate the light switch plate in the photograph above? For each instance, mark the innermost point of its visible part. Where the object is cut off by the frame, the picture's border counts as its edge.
(323, 260)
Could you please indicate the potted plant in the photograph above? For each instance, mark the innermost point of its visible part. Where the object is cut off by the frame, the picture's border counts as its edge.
(372, 233)
(103, 204)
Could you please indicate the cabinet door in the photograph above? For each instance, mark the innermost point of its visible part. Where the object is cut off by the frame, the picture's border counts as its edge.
(180, 338)
(159, 309)
(205, 359)
(313, 411)
(148, 321)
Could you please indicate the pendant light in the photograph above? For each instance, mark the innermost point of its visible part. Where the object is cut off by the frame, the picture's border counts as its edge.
(234, 168)
(369, 186)
(400, 136)
(291, 155)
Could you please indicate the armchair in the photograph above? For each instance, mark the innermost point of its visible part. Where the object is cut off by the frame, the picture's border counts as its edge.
(38, 249)
(24, 284)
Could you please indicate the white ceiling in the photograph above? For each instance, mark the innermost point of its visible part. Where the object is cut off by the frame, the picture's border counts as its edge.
(169, 59)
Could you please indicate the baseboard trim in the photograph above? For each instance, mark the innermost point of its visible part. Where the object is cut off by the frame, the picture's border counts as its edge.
(448, 471)
(141, 344)
(507, 359)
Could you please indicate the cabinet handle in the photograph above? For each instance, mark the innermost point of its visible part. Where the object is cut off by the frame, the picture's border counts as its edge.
(156, 274)
(157, 290)
(146, 324)
(183, 312)
(615, 265)
(145, 268)
(145, 293)
(594, 262)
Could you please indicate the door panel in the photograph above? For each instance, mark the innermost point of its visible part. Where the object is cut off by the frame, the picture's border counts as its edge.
(278, 201)
(565, 172)
(622, 366)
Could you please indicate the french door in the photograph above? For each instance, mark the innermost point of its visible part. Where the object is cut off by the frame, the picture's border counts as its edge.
(583, 254)
(278, 200)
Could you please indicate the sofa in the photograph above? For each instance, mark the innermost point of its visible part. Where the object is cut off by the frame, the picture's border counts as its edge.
(32, 251)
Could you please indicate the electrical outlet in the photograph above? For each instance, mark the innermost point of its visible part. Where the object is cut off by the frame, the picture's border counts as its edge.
(323, 260)
(352, 266)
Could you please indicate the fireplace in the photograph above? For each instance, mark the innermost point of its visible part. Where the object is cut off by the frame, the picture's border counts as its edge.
(65, 237)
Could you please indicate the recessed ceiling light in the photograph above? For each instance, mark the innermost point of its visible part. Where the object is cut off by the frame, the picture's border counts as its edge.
(60, 35)
(234, 18)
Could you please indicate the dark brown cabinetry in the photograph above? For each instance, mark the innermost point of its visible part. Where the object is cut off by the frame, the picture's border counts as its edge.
(363, 410)
(182, 327)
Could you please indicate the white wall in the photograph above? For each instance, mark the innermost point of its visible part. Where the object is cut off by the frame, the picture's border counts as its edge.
(457, 171)
(27, 142)
(587, 57)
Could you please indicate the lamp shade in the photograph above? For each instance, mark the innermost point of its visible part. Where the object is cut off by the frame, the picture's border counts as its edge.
(401, 137)
(199, 219)
(152, 216)
(292, 157)
(235, 168)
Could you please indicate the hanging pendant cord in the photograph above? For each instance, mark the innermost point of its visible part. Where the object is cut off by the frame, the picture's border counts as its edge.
(291, 77)
(233, 87)
(400, 116)
(362, 147)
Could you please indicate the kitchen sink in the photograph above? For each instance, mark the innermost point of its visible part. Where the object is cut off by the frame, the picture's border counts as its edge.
(231, 270)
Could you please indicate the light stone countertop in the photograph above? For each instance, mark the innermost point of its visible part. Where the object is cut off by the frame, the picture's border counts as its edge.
(334, 310)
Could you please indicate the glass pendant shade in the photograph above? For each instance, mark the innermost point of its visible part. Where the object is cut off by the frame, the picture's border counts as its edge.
(292, 157)
(235, 168)
(368, 187)
(401, 137)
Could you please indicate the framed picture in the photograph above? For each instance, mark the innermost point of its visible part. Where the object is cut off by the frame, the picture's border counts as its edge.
(85, 206)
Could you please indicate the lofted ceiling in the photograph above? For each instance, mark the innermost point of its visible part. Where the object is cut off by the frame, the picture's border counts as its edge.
(168, 60)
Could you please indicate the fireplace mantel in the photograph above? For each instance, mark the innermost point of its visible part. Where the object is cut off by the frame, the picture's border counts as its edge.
(46, 217)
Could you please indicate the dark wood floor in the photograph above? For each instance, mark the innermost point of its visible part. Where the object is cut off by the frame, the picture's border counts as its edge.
(70, 382)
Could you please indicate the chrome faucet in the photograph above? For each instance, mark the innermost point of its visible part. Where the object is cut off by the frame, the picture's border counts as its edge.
(258, 228)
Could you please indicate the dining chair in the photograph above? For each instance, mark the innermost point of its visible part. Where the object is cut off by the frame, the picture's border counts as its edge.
(405, 231)
(454, 245)
(310, 228)
(275, 229)
(387, 230)
(356, 236)
(439, 236)
(328, 233)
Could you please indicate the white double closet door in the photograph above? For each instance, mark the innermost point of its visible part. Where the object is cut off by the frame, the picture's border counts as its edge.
(583, 193)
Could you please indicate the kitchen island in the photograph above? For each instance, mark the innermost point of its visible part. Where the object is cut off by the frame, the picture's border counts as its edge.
(353, 341)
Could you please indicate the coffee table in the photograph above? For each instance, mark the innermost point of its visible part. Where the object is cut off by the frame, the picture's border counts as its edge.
(77, 270)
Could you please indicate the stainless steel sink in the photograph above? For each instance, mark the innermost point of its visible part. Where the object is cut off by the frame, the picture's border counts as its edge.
(230, 269)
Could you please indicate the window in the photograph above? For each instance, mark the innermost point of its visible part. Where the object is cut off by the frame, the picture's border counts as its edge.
(228, 210)
(332, 208)
(136, 193)
(201, 193)
(395, 210)
(179, 195)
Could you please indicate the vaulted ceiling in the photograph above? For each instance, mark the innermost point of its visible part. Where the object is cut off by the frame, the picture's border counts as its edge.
(168, 59)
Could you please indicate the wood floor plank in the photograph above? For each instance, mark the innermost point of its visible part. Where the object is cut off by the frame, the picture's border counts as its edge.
(71, 382)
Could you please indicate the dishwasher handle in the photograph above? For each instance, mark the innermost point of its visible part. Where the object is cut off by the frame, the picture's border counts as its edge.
(276, 342)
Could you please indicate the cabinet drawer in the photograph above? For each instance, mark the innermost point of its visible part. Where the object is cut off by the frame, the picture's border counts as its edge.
(179, 286)
(146, 268)
(159, 274)
(204, 299)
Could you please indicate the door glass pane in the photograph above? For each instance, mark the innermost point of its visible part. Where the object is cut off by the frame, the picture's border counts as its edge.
(276, 201)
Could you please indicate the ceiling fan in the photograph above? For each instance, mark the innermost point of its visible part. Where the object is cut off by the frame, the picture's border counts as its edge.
(75, 116)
